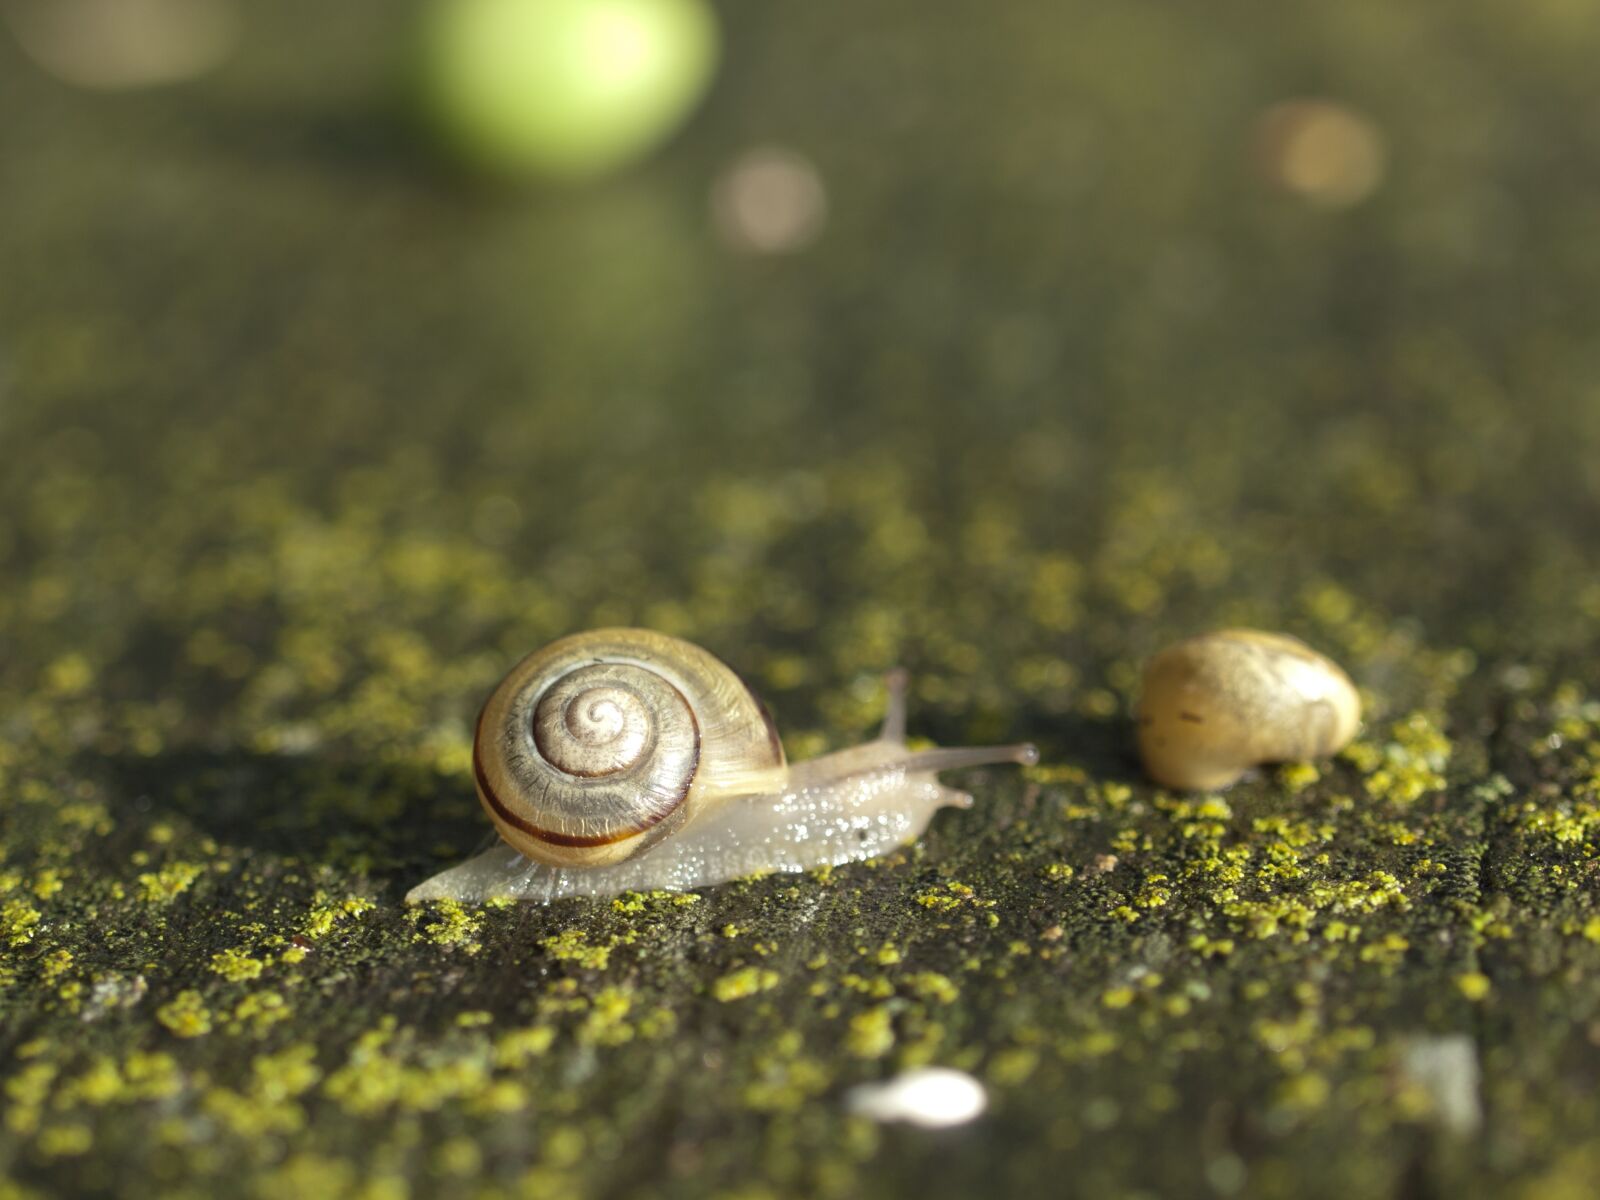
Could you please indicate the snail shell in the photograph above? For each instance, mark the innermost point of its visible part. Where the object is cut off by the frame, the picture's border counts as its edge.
(624, 759)
(603, 743)
(1213, 706)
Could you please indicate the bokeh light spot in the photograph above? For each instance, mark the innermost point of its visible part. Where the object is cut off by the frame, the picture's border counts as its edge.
(1321, 151)
(769, 201)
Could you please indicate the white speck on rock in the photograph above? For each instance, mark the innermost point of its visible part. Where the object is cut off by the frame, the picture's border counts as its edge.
(932, 1097)
(1446, 1068)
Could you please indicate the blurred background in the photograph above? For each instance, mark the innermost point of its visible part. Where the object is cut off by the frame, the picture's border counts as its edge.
(350, 351)
(921, 311)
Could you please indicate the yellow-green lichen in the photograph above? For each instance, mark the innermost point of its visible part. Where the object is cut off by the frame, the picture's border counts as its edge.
(448, 923)
(573, 945)
(186, 1015)
(236, 966)
(18, 922)
(870, 1033)
(170, 882)
(743, 983)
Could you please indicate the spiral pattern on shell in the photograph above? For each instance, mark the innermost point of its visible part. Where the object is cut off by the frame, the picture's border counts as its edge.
(614, 750)
(589, 724)
(602, 743)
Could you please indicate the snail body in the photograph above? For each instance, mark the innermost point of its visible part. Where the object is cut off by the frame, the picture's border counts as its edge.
(627, 760)
(1211, 707)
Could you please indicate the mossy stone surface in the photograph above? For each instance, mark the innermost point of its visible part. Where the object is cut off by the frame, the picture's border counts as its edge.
(304, 444)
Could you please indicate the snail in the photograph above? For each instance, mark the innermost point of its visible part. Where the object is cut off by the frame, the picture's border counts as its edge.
(627, 760)
(1214, 706)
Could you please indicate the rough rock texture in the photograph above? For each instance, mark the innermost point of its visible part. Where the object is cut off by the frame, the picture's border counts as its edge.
(305, 442)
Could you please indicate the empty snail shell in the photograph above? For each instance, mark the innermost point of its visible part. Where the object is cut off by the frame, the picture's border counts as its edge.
(1214, 706)
(627, 760)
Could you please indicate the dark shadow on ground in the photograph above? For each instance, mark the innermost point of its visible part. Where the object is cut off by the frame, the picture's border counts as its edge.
(1104, 747)
(394, 821)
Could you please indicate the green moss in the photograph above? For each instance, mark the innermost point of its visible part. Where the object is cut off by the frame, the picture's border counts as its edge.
(236, 966)
(517, 1047)
(258, 1012)
(573, 945)
(167, 884)
(1012, 1068)
(18, 921)
(186, 1015)
(743, 983)
(606, 1024)
(934, 986)
(1409, 765)
(447, 923)
(871, 1033)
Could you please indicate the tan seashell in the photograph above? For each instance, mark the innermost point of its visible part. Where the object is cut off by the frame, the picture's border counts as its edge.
(1213, 706)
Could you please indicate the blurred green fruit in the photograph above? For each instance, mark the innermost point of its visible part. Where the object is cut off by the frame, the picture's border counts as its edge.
(564, 89)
